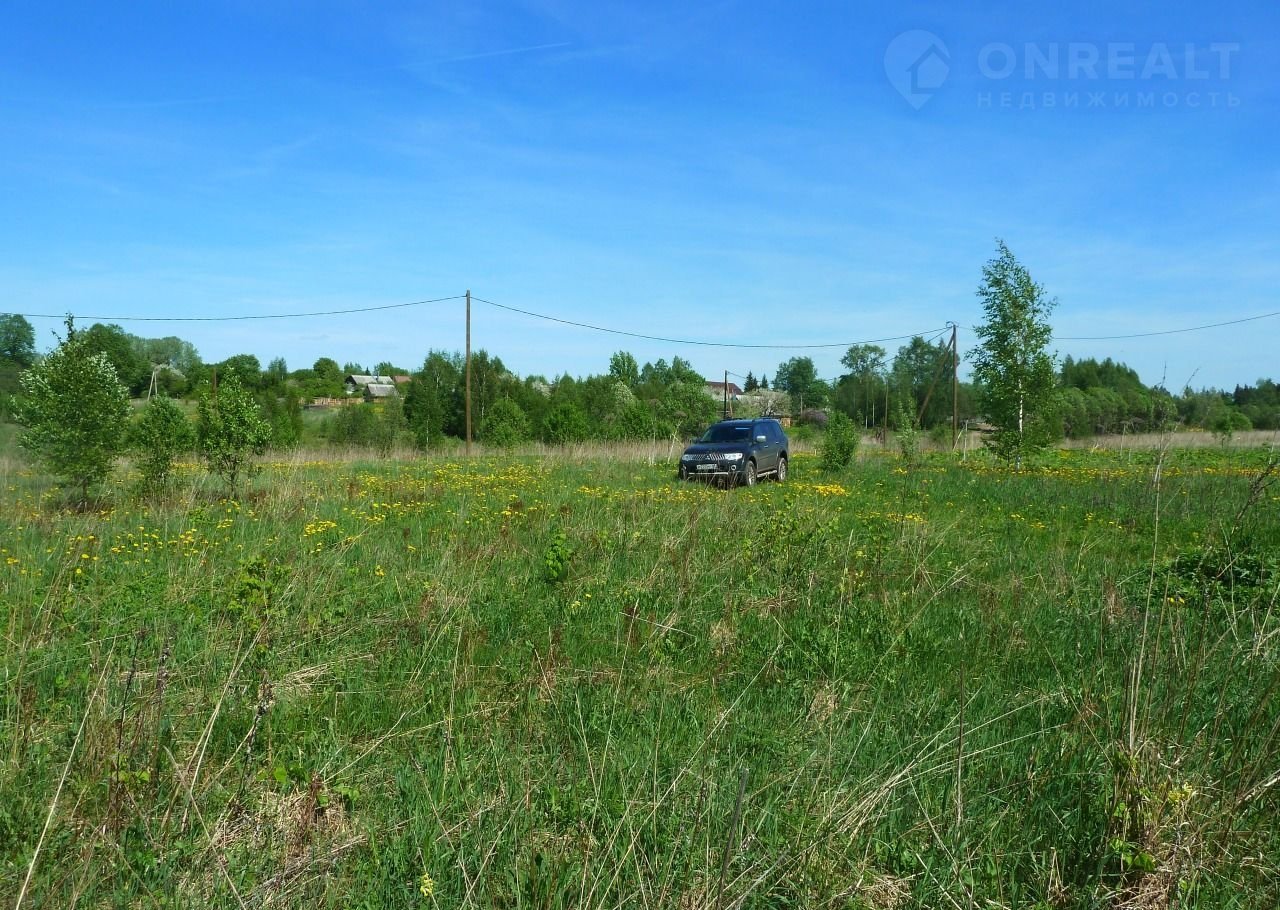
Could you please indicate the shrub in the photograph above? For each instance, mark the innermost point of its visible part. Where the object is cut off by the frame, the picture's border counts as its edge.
(565, 423)
(908, 436)
(839, 443)
(1227, 422)
(505, 424)
(159, 435)
(76, 412)
(231, 430)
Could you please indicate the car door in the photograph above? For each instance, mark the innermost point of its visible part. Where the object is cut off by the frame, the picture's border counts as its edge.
(767, 451)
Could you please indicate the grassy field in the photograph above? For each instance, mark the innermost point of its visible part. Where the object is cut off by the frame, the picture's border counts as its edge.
(572, 682)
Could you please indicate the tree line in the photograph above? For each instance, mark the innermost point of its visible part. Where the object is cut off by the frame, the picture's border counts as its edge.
(1017, 387)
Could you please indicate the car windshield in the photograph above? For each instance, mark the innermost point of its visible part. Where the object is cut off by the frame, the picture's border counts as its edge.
(726, 433)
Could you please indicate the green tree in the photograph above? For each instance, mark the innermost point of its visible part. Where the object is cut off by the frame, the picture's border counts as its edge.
(157, 437)
(76, 412)
(434, 405)
(623, 367)
(505, 425)
(119, 346)
(231, 430)
(390, 424)
(839, 442)
(170, 351)
(276, 373)
(1012, 364)
(798, 377)
(564, 423)
(918, 367)
(17, 340)
(245, 368)
(685, 410)
(861, 390)
(284, 415)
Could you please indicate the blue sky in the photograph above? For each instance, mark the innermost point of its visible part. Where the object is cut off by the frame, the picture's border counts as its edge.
(740, 172)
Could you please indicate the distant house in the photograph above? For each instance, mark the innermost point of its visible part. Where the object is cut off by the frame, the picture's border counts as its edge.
(320, 404)
(378, 391)
(717, 389)
(357, 382)
(402, 380)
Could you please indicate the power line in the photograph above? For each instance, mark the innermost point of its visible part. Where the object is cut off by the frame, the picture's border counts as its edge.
(366, 309)
(1194, 328)
(613, 331)
(699, 343)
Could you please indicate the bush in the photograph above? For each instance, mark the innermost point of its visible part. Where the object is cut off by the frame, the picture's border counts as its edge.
(565, 423)
(908, 436)
(839, 443)
(159, 435)
(1227, 422)
(76, 412)
(505, 424)
(231, 430)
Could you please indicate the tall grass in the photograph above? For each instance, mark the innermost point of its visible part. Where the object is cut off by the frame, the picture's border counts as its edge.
(533, 681)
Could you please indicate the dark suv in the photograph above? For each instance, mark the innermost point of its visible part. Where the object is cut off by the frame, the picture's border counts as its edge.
(737, 451)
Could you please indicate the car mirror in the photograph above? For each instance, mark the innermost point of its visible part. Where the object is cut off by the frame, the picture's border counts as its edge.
(761, 438)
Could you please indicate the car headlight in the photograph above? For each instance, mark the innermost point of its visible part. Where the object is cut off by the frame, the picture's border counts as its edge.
(687, 457)
(733, 456)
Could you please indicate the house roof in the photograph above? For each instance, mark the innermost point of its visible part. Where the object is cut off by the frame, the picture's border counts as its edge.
(380, 390)
(401, 379)
(720, 387)
(362, 379)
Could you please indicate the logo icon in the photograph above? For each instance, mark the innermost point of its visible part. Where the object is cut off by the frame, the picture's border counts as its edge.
(917, 64)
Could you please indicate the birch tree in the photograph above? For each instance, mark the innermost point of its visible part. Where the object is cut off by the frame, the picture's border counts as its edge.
(1012, 365)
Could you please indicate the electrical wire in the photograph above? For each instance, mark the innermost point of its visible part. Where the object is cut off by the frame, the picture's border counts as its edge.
(707, 344)
(623, 332)
(1194, 328)
(366, 309)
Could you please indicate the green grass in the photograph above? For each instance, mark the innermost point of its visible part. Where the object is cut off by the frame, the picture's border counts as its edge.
(538, 682)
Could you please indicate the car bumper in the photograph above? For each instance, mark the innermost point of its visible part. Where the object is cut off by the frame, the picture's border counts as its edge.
(720, 470)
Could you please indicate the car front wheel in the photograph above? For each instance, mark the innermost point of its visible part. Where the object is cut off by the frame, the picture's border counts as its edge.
(782, 470)
(749, 477)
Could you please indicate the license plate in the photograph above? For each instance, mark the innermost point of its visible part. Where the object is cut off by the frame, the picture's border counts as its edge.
(706, 467)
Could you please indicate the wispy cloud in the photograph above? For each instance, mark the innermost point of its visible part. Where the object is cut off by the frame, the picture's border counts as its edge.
(485, 55)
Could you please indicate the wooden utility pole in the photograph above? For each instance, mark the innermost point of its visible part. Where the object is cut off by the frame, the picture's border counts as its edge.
(937, 374)
(468, 393)
(955, 388)
(726, 394)
(885, 436)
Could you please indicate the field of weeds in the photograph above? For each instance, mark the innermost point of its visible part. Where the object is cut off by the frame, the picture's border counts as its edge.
(552, 682)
